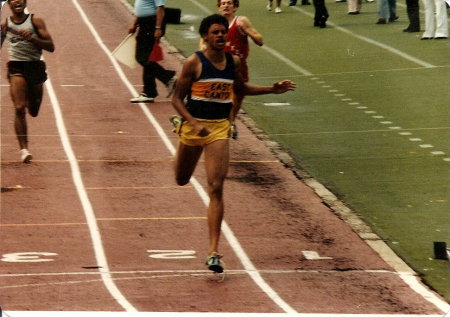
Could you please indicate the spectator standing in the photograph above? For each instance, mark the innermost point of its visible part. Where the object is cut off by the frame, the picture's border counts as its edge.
(436, 22)
(321, 13)
(387, 11)
(294, 2)
(354, 6)
(412, 9)
(149, 16)
(278, 7)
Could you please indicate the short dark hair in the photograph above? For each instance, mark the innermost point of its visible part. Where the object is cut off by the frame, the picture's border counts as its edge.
(210, 20)
(235, 3)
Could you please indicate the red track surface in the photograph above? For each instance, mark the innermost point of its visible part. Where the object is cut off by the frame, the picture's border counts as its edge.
(126, 170)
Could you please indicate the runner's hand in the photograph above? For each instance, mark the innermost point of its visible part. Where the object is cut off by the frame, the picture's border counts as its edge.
(201, 130)
(283, 86)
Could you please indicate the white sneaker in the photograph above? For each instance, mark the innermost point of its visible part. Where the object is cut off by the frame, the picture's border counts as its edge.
(142, 98)
(278, 10)
(171, 86)
(269, 6)
(25, 156)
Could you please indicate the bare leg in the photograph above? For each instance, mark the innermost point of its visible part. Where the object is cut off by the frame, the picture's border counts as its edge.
(18, 91)
(216, 163)
(185, 162)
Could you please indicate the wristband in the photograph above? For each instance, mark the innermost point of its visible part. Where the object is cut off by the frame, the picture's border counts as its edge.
(157, 27)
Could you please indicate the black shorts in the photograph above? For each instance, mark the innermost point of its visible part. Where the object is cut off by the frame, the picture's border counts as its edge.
(34, 72)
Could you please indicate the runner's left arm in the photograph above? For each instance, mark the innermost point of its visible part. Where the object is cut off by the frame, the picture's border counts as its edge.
(44, 40)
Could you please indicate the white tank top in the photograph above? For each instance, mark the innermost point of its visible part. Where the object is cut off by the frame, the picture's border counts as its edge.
(20, 49)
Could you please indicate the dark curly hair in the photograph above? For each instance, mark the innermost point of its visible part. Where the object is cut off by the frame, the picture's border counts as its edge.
(210, 20)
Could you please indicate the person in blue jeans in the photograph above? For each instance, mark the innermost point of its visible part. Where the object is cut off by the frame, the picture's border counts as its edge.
(387, 11)
(148, 22)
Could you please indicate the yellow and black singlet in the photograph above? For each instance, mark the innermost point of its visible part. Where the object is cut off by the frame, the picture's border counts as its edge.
(211, 94)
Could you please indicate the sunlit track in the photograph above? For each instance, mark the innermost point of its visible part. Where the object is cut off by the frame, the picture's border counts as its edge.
(98, 219)
(125, 255)
(166, 314)
(170, 274)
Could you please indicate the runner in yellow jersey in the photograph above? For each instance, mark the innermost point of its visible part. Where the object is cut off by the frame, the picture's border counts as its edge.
(207, 80)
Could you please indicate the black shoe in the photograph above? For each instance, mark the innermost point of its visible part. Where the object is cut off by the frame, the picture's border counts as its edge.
(292, 3)
(393, 18)
(381, 21)
(306, 3)
(411, 30)
(441, 38)
(354, 13)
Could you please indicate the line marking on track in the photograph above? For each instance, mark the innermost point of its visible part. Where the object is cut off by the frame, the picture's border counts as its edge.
(167, 274)
(98, 219)
(185, 314)
(267, 271)
(140, 161)
(152, 218)
(138, 187)
(370, 41)
(84, 199)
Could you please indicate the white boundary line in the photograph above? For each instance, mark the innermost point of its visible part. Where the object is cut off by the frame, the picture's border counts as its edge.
(84, 199)
(229, 235)
(187, 314)
(373, 42)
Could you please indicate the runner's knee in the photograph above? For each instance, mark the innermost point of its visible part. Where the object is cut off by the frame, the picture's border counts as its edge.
(215, 188)
(20, 112)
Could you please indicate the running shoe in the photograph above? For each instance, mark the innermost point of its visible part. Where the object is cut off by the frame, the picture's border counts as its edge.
(25, 156)
(171, 86)
(142, 98)
(278, 10)
(269, 6)
(213, 263)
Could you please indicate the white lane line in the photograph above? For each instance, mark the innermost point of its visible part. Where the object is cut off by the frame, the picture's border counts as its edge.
(168, 274)
(373, 42)
(147, 272)
(384, 122)
(185, 314)
(85, 202)
(229, 235)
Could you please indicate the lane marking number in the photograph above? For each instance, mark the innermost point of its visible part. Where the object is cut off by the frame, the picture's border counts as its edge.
(172, 254)
(28, 257)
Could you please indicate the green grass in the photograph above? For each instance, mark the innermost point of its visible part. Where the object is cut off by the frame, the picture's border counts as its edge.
(399, 188)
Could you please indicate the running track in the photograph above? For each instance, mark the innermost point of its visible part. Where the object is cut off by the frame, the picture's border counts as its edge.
(97, 224)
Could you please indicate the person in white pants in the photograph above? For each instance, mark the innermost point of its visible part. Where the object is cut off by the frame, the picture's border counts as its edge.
(436, 23)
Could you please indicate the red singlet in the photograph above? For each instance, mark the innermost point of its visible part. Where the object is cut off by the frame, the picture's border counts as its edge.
(237, 44)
